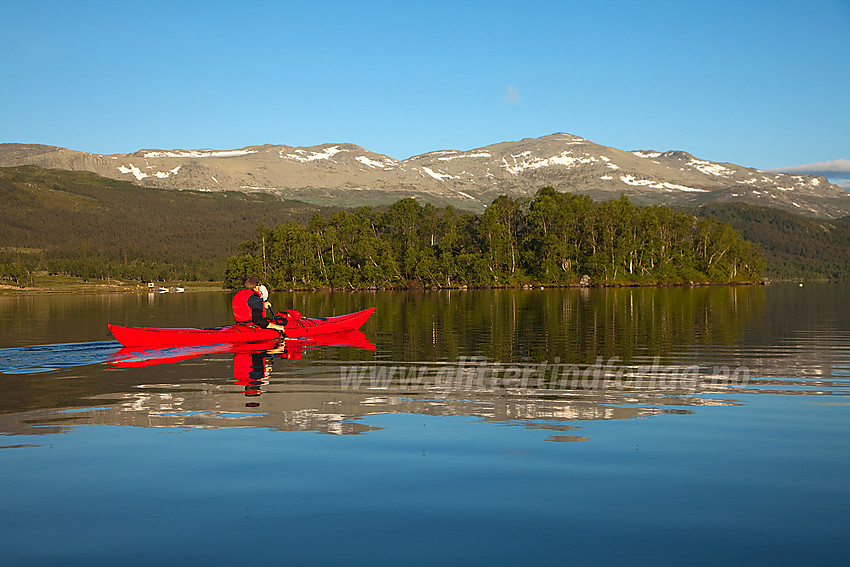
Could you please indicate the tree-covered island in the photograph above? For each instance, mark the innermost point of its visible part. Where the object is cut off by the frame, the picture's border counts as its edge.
(553, 239)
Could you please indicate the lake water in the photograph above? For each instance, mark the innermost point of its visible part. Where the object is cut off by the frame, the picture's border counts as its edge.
(697, 426)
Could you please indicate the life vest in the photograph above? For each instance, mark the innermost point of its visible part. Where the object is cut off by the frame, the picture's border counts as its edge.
(241, 311)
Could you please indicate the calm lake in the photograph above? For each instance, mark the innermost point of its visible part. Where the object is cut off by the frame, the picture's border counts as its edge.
(695, 426)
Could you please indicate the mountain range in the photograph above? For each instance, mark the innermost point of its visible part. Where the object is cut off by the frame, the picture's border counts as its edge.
(348, 175)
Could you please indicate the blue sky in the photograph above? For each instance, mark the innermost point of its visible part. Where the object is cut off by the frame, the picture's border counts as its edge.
(763, 84)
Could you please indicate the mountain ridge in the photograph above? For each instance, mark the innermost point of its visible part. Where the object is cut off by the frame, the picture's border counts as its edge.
(345, 174)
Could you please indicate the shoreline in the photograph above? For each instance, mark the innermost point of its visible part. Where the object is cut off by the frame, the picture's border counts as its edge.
(49, 285)
(76, 286)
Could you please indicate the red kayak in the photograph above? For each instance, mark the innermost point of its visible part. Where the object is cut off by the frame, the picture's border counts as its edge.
(129, 357)
(239, 333)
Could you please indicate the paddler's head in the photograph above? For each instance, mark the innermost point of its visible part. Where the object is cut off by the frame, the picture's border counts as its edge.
(251, 282)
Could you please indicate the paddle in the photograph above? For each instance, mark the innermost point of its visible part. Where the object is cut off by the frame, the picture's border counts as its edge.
(264, 294)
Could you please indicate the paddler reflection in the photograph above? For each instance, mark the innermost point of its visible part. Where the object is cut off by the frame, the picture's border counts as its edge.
(251, 370)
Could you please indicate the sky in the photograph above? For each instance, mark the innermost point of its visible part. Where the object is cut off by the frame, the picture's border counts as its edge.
(763, 84)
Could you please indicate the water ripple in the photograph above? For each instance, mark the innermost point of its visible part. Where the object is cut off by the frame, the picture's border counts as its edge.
(50, 358)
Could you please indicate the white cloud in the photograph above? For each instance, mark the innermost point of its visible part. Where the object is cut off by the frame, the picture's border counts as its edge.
(511, 95)
(838, 167)
(837, 171)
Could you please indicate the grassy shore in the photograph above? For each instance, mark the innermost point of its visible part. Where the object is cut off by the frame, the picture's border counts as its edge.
(62, 284)
(43, 283)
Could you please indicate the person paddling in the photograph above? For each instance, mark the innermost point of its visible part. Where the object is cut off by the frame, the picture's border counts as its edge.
(249, 307)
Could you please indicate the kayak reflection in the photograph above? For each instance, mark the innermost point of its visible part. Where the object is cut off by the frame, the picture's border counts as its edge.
(252, 368)
(291, 349)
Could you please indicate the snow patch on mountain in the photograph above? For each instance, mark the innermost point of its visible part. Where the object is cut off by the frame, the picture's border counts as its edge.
(573, 140)
(439, 176)
(387, 163)
(643, 154)
(525, 160)
(200, 154)
(610, 165)
(165, 174)
(303, 156)
(710, 168)
(137, 173)
(635, 182)
(461, 156)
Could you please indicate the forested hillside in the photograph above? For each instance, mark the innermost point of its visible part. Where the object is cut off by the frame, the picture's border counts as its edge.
(84, 225)
(794, 246)
(553, 239)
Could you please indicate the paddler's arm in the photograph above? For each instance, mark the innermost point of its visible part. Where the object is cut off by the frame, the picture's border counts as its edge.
(256, 305)
(260, 321)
